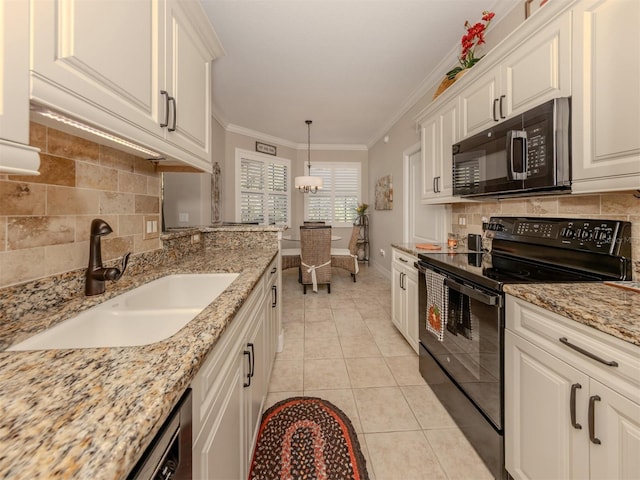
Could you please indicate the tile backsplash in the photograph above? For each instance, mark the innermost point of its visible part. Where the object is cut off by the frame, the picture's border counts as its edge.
(614, 206)
(45, 219)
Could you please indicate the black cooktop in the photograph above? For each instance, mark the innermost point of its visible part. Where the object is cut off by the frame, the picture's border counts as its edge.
(494, 270)
(542, 250)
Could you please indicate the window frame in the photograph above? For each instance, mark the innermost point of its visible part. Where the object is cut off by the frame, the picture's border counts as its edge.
(265, 159)
(335, 166)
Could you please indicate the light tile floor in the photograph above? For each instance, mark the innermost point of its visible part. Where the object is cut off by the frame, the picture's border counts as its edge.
(343, 347)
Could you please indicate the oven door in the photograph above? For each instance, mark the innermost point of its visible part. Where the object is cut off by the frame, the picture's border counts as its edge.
(471, 350)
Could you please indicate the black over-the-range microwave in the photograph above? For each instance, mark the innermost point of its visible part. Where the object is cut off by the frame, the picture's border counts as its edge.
(527, 154)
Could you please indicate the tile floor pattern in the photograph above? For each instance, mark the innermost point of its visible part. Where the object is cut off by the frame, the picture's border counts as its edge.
(343, 347)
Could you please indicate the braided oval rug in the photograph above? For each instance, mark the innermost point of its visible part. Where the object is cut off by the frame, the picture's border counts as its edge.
(307, 438)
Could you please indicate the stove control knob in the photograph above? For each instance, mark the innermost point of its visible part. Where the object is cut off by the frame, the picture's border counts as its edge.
(568, 233)
(585, 234)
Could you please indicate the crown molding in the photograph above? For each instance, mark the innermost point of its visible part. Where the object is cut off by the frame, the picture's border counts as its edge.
(501, 8)
(247, 132)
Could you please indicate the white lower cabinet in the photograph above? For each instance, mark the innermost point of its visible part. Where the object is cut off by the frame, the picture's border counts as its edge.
(568, 415)
(231, 386)
(404, 296)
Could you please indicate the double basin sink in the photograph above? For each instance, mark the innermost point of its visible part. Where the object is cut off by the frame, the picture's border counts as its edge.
(147, 314)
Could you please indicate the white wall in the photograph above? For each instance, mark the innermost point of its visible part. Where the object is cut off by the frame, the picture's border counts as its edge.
(386, 226)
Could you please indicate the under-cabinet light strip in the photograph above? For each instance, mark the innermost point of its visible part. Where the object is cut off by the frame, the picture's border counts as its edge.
(94, 131)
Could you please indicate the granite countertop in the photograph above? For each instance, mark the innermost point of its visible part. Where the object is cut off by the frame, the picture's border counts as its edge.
(89, 413)
(610, 309)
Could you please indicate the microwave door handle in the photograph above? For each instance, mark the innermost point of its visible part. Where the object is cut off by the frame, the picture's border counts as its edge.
(512, 135)
(473, 293)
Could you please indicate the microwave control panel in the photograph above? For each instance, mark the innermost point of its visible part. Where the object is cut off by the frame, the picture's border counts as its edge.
(536, 150)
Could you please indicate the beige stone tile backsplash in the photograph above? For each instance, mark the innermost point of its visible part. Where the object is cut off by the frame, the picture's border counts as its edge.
(45, 219)
(613, 206)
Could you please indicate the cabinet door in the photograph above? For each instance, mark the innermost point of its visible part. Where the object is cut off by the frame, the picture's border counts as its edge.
(540, 441)
(255, 387)
(397, 296)
(479, 103)
(430, 160)
(16, 156)
(606, 116)
(411, 309)
(617, 426)
(220, 453)
(188, 80)
(538, 70)
(439, 133)
(104, 53)
(449, 134)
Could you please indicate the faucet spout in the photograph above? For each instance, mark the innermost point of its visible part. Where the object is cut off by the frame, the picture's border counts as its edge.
(96, 274)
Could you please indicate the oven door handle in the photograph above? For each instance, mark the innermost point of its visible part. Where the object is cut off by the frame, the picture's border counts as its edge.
(473, 293)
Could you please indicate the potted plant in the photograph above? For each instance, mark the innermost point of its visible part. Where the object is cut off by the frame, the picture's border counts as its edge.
(473, 37)
(361, 211)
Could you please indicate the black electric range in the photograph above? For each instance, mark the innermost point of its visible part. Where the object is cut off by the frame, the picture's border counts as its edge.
(461, 294)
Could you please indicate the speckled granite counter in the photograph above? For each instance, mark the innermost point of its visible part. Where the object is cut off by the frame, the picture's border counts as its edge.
(89, 413)
(612, 310)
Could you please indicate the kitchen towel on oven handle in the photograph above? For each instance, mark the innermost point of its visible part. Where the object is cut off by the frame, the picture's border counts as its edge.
(437, 303)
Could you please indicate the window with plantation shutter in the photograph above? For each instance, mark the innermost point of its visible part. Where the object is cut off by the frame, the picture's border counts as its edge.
(340, 195)
(262, 188)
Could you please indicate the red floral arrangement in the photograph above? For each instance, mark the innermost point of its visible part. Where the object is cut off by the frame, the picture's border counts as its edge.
(473, 38)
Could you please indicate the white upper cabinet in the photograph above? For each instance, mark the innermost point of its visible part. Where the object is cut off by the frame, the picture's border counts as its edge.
(606, 96)
(439, 133)
(536, 70)
(188, 81)
(16, 156)
(108, 64)
(100, 53)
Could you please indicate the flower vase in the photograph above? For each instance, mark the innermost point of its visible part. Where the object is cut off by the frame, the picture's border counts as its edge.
(461, 74)
(447, 82)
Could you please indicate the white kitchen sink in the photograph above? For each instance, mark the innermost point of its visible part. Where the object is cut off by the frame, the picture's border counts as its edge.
(147, 314)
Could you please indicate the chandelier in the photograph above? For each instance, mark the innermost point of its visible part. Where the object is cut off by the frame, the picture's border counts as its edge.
(307, 183)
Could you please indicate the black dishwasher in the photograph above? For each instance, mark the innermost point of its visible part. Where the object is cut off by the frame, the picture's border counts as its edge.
(169, 455)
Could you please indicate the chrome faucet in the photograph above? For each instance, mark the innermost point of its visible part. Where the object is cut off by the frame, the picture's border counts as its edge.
(96, 274)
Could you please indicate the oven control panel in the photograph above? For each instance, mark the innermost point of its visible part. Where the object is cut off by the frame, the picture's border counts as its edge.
(606, 236)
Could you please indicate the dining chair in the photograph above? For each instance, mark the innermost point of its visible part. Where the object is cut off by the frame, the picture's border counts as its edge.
(315, 256)
(347, 258)
(314, 222)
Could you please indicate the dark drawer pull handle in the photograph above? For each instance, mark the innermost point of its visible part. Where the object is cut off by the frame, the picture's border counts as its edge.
(495, 116)
(248, 382)
(403, 259)
(592, 419)
(572, 406)
(610, 363)
(502, 97)
(274, 296)
(253, 359)
(172, 128)
(166, 108)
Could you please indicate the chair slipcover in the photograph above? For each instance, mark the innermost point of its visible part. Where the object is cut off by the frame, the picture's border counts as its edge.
(315, 256)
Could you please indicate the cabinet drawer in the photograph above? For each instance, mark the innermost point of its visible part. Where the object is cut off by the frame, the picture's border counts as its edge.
(403, 258)
(546, 329)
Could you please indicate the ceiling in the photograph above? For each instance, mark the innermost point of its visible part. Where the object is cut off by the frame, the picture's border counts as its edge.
(352, 66)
